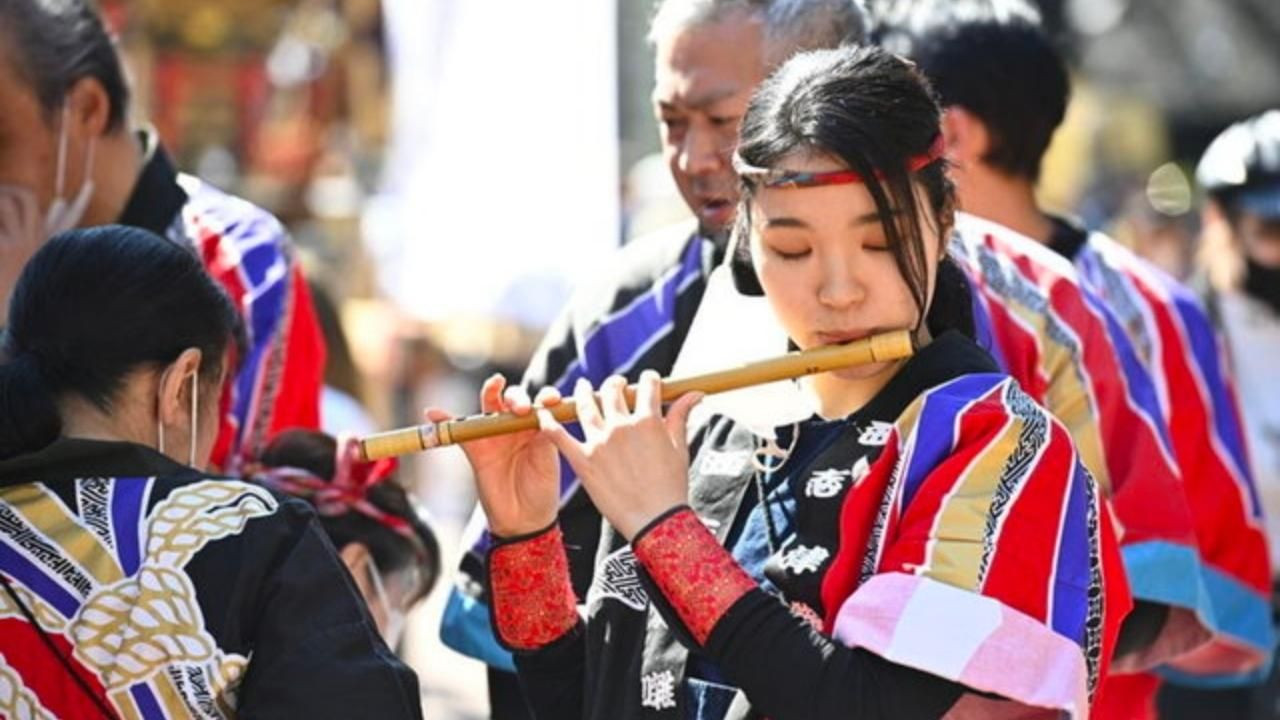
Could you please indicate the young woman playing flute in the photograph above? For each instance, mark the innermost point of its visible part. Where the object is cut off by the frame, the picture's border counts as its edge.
(928, 545)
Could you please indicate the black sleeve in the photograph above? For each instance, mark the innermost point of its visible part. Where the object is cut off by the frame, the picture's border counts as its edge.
(316, 652)
(553, 676)
(789, 670)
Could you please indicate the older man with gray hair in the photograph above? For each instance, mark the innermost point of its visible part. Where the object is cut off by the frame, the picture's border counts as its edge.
(710, 57)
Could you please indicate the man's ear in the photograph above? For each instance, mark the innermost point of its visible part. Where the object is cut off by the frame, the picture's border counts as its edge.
(965, 135)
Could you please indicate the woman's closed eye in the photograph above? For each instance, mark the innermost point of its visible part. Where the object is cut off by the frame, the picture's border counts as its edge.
(790, 252)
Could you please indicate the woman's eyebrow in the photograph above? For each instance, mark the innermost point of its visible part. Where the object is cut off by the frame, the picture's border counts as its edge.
(866, 219)
(785, 222)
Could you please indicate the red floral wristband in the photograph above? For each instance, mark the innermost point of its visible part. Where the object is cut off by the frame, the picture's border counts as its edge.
(532, 596)
(697, 576)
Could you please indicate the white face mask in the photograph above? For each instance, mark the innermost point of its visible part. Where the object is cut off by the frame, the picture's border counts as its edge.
(395, 618)
(65, 214)
(195, 409)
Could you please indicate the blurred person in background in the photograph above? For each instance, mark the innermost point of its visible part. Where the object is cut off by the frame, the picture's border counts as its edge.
(1166, 240)
(70, 156)
(390, 550)
(710, 56)
(134, 584)
(1239, 265)
(1005, 91)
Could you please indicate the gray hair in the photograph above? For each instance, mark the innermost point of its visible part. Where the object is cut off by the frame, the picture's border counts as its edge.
(790, 26)
(50, 44)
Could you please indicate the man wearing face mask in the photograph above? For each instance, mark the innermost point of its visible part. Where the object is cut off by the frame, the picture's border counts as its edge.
(69, 157)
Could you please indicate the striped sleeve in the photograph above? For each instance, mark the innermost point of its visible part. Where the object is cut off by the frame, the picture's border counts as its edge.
(991, 560)
(1067, 348)
(281, 374)
(1199, 404)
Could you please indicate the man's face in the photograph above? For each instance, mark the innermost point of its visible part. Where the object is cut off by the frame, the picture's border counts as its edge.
(704, 78)
(28, 143)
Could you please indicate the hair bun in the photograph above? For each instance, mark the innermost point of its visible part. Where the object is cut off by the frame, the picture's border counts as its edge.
(28, 415)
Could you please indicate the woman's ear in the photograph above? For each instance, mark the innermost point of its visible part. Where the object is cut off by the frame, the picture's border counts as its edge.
(88, 104)
(175, 388)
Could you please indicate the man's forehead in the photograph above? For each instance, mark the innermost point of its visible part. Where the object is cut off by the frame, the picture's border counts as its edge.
(693, 94)
(703, 64)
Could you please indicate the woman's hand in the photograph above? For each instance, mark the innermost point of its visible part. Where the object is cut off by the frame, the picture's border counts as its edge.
(634, 465)
(517, 475)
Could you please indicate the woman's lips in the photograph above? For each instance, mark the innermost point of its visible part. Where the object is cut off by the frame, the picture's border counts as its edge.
(840, 337)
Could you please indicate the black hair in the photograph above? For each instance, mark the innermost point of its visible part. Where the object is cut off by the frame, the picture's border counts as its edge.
(90, 307)
(316, 452)
(995, 60)
(54, 43)
(873, 112)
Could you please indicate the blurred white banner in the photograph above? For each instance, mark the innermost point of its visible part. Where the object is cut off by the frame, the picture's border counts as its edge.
(501, 183)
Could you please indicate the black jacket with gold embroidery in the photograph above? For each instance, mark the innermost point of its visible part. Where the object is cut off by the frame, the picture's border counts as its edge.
(172, 594)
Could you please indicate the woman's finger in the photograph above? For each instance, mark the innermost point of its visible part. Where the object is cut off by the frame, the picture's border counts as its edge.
(516, 399)
(491, 393)
(613, 398)
(584, 402)
(649, 394)
(548, 396)
(435, 414)
(677, 419)
(566, 443)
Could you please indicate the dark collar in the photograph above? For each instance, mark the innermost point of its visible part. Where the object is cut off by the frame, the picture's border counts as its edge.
(1067, 237)
(157, 197)
(73, 457)
(949, 356)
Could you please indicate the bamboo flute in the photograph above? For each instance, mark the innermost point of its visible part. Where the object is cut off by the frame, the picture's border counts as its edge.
(876, 348)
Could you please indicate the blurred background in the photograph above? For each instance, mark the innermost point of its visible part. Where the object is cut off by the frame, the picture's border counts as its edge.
(450, 169)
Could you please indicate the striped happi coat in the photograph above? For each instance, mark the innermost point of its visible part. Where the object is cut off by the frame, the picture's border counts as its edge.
(1175, 340)
(946, 526)
(1069, 351)
(250, 254)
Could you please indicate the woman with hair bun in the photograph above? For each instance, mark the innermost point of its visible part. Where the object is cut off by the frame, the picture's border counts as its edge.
(135, 584)
(391, 552)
